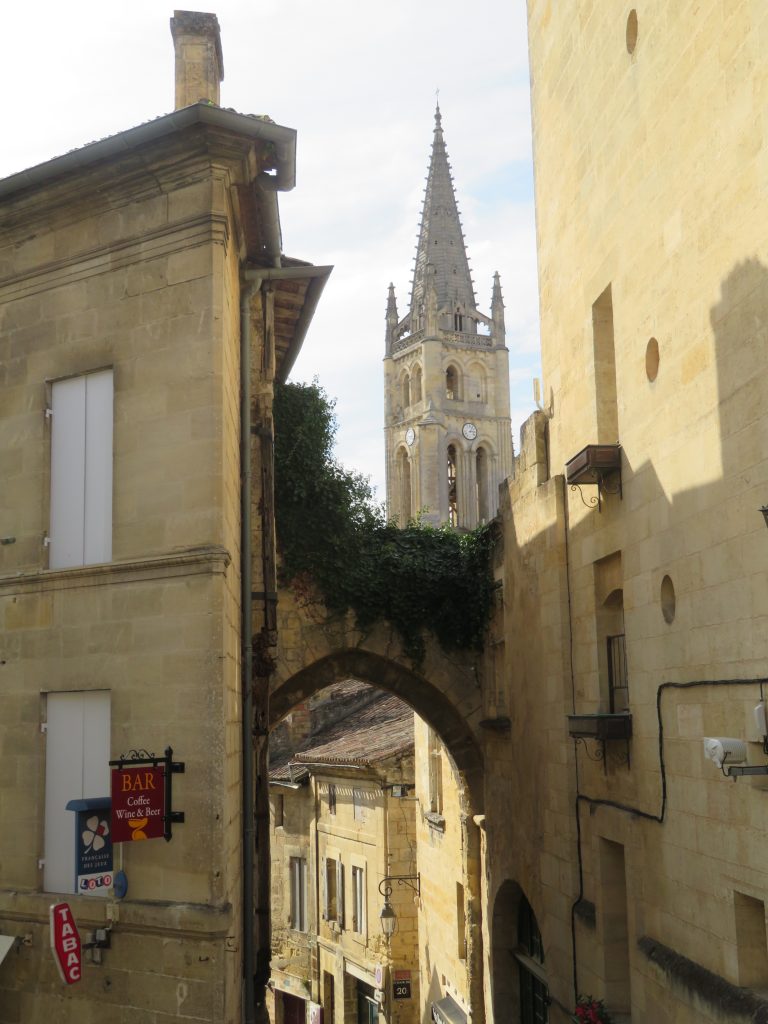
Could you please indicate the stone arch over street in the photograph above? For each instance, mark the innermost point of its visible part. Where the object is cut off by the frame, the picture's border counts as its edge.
(316, 650)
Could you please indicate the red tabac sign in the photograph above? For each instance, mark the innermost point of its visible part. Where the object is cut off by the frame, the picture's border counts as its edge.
(138, 803)
(65, 943)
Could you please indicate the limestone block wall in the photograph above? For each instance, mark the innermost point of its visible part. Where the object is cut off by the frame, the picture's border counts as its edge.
(139, 273)
(649, 138)
(292, 818)
(446, 895)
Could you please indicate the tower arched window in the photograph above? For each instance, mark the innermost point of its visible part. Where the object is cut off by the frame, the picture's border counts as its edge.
(458, 319)
(481, 476)
(416, 394)
(404, 480)
(453, 508)
(406, 391)
(452, 383)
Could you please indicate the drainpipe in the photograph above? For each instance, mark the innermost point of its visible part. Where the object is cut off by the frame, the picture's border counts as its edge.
(246, 673)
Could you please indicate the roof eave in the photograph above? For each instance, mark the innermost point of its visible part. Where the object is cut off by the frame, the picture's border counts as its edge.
(283, 139)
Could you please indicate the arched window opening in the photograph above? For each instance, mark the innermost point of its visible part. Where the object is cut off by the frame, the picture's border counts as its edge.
(404, 481)
(534, 997)
(481, 476)
(406, 391)
(416, 395)
(458, 320)
(451, 383)
(453, 515)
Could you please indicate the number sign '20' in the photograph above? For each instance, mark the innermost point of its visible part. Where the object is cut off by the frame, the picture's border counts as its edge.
(65, 943)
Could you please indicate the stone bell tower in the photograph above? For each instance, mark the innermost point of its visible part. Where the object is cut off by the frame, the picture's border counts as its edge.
(446, 376)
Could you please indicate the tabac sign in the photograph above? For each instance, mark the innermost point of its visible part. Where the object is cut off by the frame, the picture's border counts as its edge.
(65, 943)
(142, 797)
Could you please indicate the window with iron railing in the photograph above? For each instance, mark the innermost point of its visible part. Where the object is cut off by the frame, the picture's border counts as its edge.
(618, 682)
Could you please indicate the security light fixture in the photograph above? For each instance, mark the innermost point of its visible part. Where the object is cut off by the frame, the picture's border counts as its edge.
(388, 917)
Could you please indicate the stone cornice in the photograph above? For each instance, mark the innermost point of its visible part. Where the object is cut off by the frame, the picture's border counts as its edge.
(192, 562)
(108, 257)
(159, 917)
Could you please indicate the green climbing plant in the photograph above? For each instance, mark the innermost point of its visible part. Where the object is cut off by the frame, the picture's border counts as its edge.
(336, 541)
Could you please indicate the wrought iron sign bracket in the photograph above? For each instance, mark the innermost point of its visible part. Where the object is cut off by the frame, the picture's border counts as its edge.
(385, 885)
(170, 768)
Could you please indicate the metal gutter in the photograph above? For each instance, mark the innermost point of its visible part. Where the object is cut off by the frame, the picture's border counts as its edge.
(317, 276)
(246, 639)
(283, 139)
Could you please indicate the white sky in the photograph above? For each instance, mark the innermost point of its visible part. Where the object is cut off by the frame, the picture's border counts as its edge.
(357, 80)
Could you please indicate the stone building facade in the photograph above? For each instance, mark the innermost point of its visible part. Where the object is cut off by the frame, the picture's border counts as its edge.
(343, 823)
(145, 310)
(621, 863)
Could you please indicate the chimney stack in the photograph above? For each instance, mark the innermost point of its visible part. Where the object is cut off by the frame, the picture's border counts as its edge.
(199, 62)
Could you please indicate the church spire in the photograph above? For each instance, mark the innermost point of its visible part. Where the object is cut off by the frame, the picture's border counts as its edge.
(441, 253)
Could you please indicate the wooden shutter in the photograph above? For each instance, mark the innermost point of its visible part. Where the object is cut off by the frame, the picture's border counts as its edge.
(324, 888)
(340, 892)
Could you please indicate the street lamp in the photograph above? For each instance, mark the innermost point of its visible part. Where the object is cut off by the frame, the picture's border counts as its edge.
(388, 917)
(764, 510)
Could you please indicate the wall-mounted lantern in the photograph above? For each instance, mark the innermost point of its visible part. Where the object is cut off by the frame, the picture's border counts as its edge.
(388, 917)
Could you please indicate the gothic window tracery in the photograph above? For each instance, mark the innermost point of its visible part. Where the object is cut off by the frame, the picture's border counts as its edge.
(404, 479)
(481, 476)
(452, 383)
(453, 513)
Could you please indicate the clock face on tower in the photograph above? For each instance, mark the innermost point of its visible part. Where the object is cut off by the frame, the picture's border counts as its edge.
(469, 430)
(410, 436)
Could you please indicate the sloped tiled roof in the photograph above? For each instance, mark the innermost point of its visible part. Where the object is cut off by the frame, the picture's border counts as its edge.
(380, 729)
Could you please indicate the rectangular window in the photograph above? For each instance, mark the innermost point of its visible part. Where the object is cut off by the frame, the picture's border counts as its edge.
(461, 923)
(751, 945)
(333, 890)
(615, 925)
(77, 745)
(331, 799)
(435, 755)
(298, 870)
(358, 900)
(81, 470)
(618, 683)
(279, 806)
(358, 805)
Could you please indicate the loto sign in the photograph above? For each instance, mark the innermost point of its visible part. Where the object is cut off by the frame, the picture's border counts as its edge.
(138, 803)
(65, 943)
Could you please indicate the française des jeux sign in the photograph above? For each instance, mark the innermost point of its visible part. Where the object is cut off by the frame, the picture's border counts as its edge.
(65, 943)
(138, 803)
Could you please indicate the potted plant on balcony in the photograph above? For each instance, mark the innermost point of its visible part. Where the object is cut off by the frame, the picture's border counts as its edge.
(591, 1011)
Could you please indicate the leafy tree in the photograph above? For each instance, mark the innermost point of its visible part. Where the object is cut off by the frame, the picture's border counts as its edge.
(334, 537)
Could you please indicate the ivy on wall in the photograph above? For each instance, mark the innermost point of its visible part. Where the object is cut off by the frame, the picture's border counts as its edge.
(334, 539)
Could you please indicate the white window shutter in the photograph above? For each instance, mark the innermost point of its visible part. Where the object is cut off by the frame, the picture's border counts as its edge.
(81, 470)
(340, 892)
(97, 524)
(67, 473)
(77, 749)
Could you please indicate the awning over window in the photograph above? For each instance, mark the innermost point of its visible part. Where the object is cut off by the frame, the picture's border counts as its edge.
(448, 1011)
